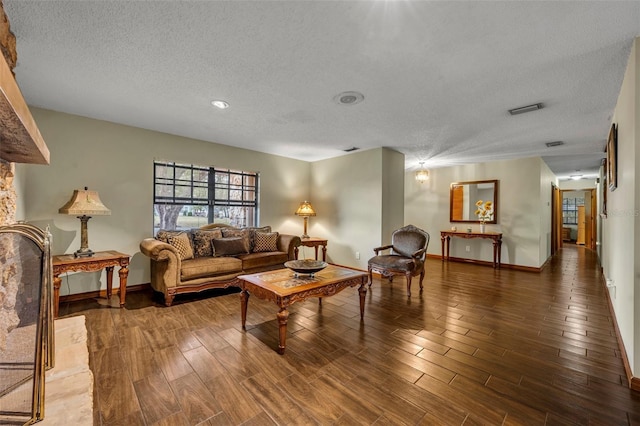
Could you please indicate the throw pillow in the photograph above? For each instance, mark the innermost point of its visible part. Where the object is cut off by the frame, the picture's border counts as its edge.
(202, 246)
(164, 235)
(266, 241)
(182, 243)
(238, 233)
(229, 246)
(252, 235)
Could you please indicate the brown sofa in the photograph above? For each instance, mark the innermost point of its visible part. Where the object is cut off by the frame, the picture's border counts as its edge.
(213, 256)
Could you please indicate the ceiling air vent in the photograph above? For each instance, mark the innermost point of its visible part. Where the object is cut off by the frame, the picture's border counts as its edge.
(348, 98)
(554, 143)
(353, 148)
(528, 108)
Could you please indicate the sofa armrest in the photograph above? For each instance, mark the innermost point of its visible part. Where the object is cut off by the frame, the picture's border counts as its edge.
(165, 264)
(157, 250)
(288, 243)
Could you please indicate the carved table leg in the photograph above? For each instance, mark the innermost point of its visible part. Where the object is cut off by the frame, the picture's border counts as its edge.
(363, 292)
(109, 281)
(283, 317)
(57, 282)
(495, 252)
(244, 301)
(124, 273)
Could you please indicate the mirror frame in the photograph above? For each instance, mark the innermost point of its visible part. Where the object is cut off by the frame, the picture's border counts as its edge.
(495, 200)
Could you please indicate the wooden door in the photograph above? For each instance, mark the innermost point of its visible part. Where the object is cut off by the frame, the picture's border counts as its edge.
(591, 231)
(581, 226)
(556, 219)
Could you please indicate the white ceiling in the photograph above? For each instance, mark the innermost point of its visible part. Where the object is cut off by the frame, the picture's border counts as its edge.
(437, 77)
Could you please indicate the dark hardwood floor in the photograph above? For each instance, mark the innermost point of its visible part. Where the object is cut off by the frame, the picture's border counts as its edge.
(478, 346)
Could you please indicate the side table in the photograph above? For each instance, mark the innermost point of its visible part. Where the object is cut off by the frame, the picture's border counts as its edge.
(100, 260)
(314, 242)
(496, 237)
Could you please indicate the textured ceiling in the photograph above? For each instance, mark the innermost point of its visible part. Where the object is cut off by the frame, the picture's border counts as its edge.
(437, 77)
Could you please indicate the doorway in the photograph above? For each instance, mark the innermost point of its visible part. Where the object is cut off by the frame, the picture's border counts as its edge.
(578, 217)
(556, 219)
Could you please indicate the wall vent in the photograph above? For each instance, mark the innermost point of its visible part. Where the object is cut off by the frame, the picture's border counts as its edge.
(528, 108)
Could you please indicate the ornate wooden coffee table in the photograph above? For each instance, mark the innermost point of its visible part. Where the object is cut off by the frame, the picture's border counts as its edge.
(283, 288)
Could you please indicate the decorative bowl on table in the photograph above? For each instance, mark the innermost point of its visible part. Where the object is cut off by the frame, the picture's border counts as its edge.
(307, 266)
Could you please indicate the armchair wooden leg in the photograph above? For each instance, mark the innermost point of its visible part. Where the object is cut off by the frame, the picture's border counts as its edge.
(408, 275)
(421, 278)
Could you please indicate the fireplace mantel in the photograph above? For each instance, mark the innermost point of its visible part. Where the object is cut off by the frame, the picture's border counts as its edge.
(20, 139)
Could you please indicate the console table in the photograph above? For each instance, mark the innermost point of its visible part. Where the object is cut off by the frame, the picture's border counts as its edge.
(314, 242)
(100, 260)
(496, 237)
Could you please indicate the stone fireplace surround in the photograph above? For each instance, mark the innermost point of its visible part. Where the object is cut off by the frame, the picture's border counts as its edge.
(70, 382)
(8, 289)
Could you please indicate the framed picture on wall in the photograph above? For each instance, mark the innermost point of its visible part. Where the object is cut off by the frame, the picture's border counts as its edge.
(604, 187)
(612, 158)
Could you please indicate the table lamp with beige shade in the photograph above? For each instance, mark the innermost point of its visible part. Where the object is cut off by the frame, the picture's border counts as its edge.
(305, 210)
(84, 204)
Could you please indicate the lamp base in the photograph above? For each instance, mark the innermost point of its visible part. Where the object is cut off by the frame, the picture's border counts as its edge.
(304, 231)
(84, 250)
(83, 253)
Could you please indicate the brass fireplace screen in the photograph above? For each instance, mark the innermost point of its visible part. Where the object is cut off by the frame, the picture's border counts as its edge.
(26, 322)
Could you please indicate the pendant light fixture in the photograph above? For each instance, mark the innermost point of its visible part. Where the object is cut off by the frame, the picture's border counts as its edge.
(422, 175)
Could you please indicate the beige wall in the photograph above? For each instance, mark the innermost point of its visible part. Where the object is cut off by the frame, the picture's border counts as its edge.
(350, 194)
(522, 209)
(547, 178)
(117, 161)
(392, 195)
(621, 231)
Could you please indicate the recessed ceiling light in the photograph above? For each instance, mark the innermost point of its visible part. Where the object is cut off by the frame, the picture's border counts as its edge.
(220, 104)
(348, 98)
(576, 177)
(554, 143)
(528, 108)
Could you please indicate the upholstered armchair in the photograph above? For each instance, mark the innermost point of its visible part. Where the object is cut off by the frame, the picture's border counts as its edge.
(408, 250)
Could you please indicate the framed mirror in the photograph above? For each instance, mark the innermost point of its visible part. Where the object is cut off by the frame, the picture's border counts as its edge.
(464, 196)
